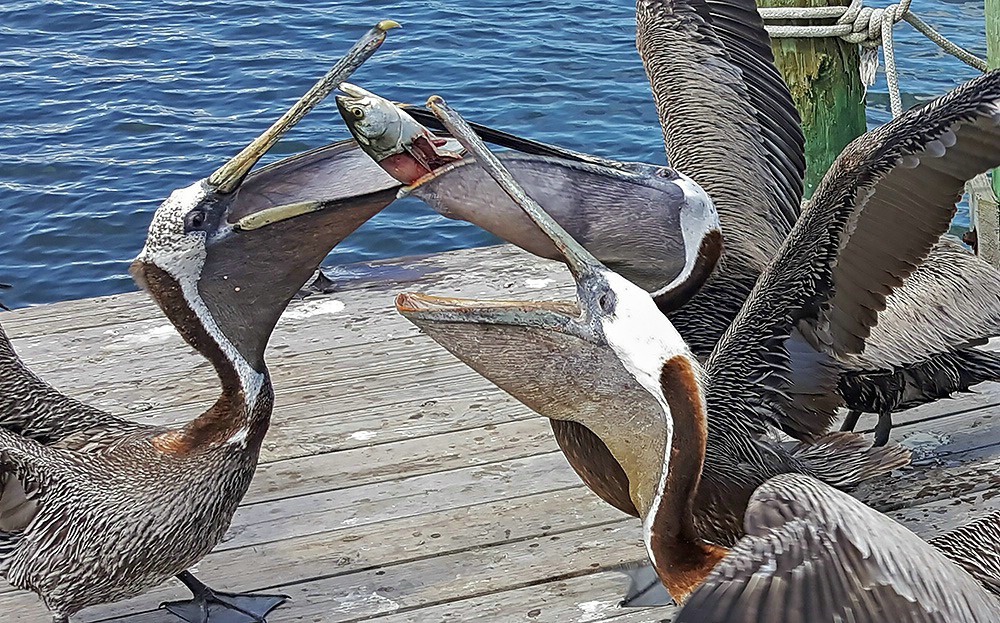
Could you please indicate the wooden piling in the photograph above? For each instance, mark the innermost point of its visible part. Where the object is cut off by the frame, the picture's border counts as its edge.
(822, 74)
(985, 216)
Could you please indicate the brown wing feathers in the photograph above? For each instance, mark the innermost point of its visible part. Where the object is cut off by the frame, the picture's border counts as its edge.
(813, 554)
(876, 215)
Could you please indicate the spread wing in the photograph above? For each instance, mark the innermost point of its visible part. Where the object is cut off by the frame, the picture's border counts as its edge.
(813, 554)
(967, 289)
(724, 108)
(740, 28)
(878, 212)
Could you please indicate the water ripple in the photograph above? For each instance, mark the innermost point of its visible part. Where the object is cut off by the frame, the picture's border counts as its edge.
(106, 107)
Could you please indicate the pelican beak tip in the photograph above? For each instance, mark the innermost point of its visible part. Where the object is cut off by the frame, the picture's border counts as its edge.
(406, 302)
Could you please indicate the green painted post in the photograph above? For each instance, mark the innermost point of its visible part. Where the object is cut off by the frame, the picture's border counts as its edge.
(822, 74)
(983, 199)
(993, 55)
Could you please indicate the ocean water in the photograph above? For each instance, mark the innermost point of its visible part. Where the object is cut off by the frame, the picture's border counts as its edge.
(107, 107)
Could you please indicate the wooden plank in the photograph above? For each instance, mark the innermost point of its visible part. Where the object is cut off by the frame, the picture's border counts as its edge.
(932, 518)
(580, 599)
(583, 599)
(484, 265)
(320, 322)
(266, 522)
(373, 369)
(423, 415)
(386, 462)
(358, 549)
(954, 456)
(469, 573)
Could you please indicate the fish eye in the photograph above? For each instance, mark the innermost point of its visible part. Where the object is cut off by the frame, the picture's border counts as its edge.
(358, 113)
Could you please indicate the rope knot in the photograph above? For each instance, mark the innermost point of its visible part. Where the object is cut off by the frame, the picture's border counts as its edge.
(868, 27)
(870, 24)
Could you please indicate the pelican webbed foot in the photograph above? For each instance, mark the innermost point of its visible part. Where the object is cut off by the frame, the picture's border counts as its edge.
(645, 589)
(210, 606)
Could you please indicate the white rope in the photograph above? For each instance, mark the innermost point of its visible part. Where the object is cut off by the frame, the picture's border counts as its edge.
(870, 28)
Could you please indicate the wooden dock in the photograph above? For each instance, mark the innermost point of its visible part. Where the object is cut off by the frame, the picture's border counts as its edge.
(396, 485)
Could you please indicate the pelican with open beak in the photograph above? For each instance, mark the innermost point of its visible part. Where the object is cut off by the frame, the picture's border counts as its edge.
(640, 219)
(95, 508)
(565, 359)
(613, 363)
(268, 231)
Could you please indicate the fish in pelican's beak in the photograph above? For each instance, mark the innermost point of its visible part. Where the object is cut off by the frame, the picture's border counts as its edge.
(643, 221)
(570, 361)
(392, 138)
(236, 246)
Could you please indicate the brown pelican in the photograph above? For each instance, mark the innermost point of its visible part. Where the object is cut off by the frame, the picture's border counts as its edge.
(94, 508)
(686, 480)
(712, 59)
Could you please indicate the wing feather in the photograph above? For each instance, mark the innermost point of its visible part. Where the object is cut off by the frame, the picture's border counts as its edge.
(715, 55)
(834, 559)
(875, 217)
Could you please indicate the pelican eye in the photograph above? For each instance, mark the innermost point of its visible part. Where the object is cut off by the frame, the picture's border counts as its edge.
(607, 302)
(195, 219)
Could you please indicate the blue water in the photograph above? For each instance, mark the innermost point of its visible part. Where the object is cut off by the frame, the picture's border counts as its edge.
(106, 107)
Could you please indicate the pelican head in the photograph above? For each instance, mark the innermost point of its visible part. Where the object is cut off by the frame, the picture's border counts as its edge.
(597, 361)
(224, 256)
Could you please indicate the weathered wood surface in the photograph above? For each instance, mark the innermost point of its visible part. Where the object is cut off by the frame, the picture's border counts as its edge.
(822, 76)
(398, 486)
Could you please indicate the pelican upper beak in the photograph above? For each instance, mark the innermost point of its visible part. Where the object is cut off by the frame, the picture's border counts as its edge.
(544, 353)
(228, 177)
(266, 232)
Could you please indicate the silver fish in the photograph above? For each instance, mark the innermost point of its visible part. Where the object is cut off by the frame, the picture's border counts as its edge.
(402, 146)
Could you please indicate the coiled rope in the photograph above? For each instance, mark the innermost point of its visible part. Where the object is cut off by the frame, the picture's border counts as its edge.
(871, 28)
(868, 27)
